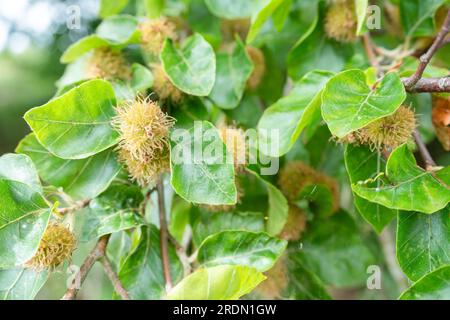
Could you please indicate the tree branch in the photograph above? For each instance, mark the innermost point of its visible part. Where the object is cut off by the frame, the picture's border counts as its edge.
(429, 85)
(163, 236)
(370, 52)
(426, 58)
(98, 252)
(424, 153)
(118, 287)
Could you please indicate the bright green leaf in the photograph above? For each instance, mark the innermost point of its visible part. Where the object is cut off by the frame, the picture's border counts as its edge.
(154, 8)
(142, 78)
(410, 188)
(349, 104)
(24, 215)
(82, 46)
(433, 286)
(77, 124)
(191, 68)
(114, 210)
(232, 72)
(235, 9)
(291, 114)
(361, 164)
(261, 17)
(417, 16)
(256, 250)
(217, 283)
(423, 242)
(206, 176)
(112, 7)
(19, 167)
(361, 13)
(141, 273)
(21, 284)
(119, 30)
(81, 179)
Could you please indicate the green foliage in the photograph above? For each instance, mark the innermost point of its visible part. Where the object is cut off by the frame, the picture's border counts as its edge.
(141, 157)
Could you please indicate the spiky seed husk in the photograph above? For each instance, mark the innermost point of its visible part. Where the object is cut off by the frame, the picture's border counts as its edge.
(146, 171)
(388, 132)
(295, 224)
(235, 142)
(56, 246)
(155, 32)
(259, 67)
(144, 139)
(108, 64)
(341, 22)
(296, 175)
(162, 85)
(277, 280)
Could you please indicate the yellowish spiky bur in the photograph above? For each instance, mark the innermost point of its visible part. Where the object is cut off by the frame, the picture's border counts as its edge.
(162, 85)
(109, 64)
(388, 132)
(276, 282)
(236, 144)
(341, 21)
(295, 224)
(296, 175)
(259, 67)
(144, 139)
(56, 246)
(154, 32)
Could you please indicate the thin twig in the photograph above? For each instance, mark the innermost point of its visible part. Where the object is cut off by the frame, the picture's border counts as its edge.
(426, 58)
(97, 253)
(118, 287)
(77, 206)
(163, 236)
(370, 51)
(429, 85)
(424, 153)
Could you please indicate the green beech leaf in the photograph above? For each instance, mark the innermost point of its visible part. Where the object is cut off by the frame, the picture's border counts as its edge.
(361, 164)
(410, 188)
(291, 114)
(257, 250)
(81, 179)
(315, 51)
(141, 273)
(112, 7)
(202, 178)
(24, 215)
(82, 46)
(119, 30)
(234, 9)
(114, 210)
(361, 13)
(217, 283)
(210, 223)
(417, 17)
(232, 71)
(201, 20)
(261, 17)
(433, 286)
(77, 124)
(303, 284)
(21, 284)
(142, 78)
(349, 104)
(334, 250)
(192, 68)
(423, 242)
(115, 31)
(19, 167)
(154, 8)
(278, 207)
